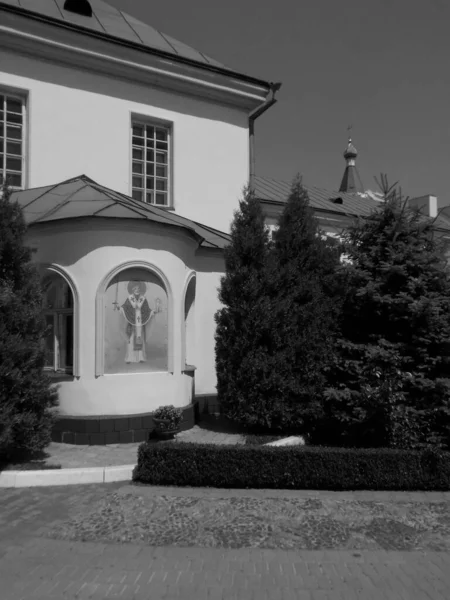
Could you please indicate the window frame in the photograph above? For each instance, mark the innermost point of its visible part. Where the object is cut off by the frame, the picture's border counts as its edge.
(47, 270)
(58, 315)
(146, 121)
(22, 97)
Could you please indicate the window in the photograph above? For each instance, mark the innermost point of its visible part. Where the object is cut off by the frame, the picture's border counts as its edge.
(58, 311)
(151, 163)
(12, 117)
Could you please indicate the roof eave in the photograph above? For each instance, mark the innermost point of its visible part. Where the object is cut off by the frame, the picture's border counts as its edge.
(133, 45)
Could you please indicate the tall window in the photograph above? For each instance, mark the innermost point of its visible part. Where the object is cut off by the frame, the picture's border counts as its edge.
(58, 310)
(12, 116)
(151, 163)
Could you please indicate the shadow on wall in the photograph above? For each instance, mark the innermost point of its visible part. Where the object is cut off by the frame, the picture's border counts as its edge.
(82, 236)
(113, 87)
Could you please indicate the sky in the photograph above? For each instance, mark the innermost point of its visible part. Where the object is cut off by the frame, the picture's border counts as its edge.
(381, 66)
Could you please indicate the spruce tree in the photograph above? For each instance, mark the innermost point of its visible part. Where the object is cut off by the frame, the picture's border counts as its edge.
(390, 384)
(27, 398)
(304, 265)
(247, 378)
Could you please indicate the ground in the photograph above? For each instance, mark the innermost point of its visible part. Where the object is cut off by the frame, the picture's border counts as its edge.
(143, 542)
(137, 542)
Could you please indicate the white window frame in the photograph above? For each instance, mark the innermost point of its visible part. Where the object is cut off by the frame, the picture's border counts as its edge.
(21, 97)
(146, 121)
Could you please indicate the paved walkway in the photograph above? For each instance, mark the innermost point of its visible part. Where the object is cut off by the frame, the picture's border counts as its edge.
(34, 566)
(69, 456)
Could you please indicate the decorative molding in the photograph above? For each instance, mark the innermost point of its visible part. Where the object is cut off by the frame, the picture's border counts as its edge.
(65, 45)
(100, 312)
(43, 267)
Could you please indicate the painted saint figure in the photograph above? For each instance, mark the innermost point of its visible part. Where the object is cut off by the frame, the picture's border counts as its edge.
(138, 315)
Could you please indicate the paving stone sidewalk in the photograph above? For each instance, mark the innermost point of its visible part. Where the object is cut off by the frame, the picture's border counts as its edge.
(70, 456)
(34, 566)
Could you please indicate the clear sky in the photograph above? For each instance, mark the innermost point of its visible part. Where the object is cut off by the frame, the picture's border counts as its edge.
(380, 65)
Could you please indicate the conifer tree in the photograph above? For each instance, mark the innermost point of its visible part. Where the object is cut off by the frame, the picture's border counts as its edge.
(246, 378)
(305, 264)
(390, 384)
(26, 395)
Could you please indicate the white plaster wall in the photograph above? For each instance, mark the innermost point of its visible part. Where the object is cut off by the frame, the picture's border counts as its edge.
(210, 268)
(79, 122)
(87, 251)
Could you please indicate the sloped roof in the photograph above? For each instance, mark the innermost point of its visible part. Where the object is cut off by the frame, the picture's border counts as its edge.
(113, 22)
(82, 197)
(272, 190)
(351, 181)
(353, 205)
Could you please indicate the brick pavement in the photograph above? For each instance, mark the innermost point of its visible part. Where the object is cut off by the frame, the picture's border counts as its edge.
(33, 567)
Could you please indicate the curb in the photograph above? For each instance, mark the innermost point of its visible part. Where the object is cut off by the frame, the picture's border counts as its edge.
(47, 477)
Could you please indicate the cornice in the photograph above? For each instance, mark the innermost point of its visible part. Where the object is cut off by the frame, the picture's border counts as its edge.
(77, 48)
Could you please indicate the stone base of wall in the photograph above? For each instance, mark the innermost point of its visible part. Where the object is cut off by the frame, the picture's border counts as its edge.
(126, 429)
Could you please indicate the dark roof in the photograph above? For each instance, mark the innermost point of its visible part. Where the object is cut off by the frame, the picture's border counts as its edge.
(272, 190)
(351, 181)
(114, 23)
(82, 197)
(352, 205)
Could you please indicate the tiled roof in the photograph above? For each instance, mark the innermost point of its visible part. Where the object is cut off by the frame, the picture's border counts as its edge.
(115, 23)
(353, 205)
(82, 197)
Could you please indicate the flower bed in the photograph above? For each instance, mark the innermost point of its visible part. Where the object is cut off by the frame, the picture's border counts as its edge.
(291, 467)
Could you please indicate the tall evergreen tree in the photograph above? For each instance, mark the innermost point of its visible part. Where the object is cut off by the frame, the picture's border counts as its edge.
(247, 380)
(26, 395)
(304, 265)
(391, 382)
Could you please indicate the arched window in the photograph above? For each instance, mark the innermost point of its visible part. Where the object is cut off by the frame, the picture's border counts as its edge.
(135, 336)
(189, 323)
(59, 315)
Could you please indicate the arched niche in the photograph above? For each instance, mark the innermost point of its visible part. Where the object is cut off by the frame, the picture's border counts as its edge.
(61, 313)
(188, 334)
(134, 321)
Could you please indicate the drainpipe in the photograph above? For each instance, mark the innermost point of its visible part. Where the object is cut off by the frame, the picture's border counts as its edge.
(274, 87)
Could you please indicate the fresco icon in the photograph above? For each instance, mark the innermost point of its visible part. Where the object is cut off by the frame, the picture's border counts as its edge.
(135, 323)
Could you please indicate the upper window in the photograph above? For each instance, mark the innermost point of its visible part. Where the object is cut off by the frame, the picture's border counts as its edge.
(12, 117)
(151, 163)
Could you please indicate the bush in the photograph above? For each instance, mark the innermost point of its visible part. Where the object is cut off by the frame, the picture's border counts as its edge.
(319, 468)
(170, 417)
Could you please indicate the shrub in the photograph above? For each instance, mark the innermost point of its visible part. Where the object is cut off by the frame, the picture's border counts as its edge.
(27, 397)
(241, 466)
(170, 417)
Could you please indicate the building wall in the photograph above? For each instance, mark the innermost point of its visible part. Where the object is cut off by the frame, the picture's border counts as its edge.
(79, 123)
(87, 251)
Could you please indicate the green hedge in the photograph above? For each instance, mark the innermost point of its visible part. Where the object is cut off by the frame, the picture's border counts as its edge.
(314, 468)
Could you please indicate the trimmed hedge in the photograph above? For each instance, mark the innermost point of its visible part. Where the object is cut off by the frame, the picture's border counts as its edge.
(314, 468)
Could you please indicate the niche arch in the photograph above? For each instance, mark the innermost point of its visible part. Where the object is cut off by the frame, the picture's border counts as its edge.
(134, 321)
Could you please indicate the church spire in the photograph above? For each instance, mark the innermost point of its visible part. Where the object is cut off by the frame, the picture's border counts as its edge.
(351, 181)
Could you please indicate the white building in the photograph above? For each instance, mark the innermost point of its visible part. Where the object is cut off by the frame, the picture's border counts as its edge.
(122, 141)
